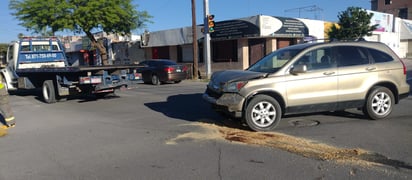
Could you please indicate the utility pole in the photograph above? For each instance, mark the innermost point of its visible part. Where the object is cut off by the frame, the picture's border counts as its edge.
(206, 42)
(195, 45)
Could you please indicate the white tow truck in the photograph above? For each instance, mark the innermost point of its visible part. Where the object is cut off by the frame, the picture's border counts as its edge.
(34, 62)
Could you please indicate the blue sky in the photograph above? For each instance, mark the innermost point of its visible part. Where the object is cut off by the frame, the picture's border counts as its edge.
(169, 14)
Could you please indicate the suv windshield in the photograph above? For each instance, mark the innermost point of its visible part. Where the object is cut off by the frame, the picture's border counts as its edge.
(275, 60)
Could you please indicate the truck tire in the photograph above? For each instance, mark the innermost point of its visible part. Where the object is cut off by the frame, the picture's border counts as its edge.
(49, 93)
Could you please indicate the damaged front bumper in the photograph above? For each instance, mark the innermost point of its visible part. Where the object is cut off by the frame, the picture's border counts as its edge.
(230, 103)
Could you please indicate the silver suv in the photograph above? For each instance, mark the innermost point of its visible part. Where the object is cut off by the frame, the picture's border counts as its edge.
(312, 77)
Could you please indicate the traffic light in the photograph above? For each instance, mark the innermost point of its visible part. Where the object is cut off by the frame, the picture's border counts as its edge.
(211, 23)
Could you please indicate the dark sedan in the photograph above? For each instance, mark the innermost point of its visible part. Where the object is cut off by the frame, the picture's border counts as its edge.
(156, 71)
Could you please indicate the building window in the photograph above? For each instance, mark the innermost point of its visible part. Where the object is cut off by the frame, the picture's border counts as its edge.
(403, 13)
(387, 2)
(224, 51)
(160, 52)
(374, 5)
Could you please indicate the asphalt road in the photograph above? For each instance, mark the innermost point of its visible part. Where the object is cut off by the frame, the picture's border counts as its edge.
(169, 132)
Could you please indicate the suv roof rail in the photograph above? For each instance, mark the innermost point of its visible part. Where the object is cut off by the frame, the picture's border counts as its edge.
(347, 40)
(311, 40)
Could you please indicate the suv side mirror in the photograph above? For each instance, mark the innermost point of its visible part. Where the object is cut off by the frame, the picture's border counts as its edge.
(299, 68)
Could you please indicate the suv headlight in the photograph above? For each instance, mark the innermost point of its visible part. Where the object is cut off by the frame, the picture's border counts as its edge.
(234, 86)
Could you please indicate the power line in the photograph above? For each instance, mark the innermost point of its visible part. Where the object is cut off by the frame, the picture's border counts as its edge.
(313, 8)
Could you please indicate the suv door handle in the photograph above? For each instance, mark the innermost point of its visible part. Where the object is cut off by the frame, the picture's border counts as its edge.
(370, 68)
(328, 73)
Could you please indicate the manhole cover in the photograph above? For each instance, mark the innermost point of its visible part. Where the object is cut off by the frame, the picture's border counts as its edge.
(303, 122)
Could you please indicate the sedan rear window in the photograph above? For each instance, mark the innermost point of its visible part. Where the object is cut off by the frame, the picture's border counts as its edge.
(168, 63)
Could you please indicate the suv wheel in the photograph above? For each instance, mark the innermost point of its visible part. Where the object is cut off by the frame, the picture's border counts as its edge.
(379, 103)
(263, 113)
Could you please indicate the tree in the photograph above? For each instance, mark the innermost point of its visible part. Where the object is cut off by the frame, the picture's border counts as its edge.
(37, 15)
(3, 53)
(87, 16)
(354, 23)
(3, 48)
(20, 35)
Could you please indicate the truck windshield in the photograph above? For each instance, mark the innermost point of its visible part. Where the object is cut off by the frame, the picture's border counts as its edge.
(275, 60)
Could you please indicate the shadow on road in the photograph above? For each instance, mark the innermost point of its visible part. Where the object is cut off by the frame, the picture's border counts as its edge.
(191, 107)
(81, 98)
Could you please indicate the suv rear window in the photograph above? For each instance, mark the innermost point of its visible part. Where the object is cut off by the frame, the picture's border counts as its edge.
(379, 56)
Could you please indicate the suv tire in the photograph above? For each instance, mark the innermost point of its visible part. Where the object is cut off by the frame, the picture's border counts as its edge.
(379, 103)
(263, 113)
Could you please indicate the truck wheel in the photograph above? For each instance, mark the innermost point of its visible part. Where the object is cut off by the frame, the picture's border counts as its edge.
(263, 113)
(49, 94)
(379, 103)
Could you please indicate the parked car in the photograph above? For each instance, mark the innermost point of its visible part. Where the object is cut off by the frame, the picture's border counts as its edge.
(312, 77)
(158, 71)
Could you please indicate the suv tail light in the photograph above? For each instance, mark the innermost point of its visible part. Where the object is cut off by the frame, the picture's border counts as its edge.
(404, 67)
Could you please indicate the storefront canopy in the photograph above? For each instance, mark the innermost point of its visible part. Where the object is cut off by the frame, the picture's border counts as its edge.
(170, 37)
(248, 27)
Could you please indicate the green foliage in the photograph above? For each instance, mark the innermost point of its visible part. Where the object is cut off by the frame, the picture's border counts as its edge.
(3, 51)
(111, 16)
(49, 16)
(38, 15)
(3, 48)
(354, 23)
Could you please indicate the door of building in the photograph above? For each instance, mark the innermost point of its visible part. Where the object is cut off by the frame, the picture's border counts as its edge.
(256, 50)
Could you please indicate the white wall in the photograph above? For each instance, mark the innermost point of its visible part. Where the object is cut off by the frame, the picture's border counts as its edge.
(403, 49)
(316, 28)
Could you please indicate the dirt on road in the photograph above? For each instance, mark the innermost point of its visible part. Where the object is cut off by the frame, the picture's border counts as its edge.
(300, 146)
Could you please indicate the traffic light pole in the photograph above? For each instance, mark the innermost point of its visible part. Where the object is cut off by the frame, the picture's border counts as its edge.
(206, 42)
(195, 45)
